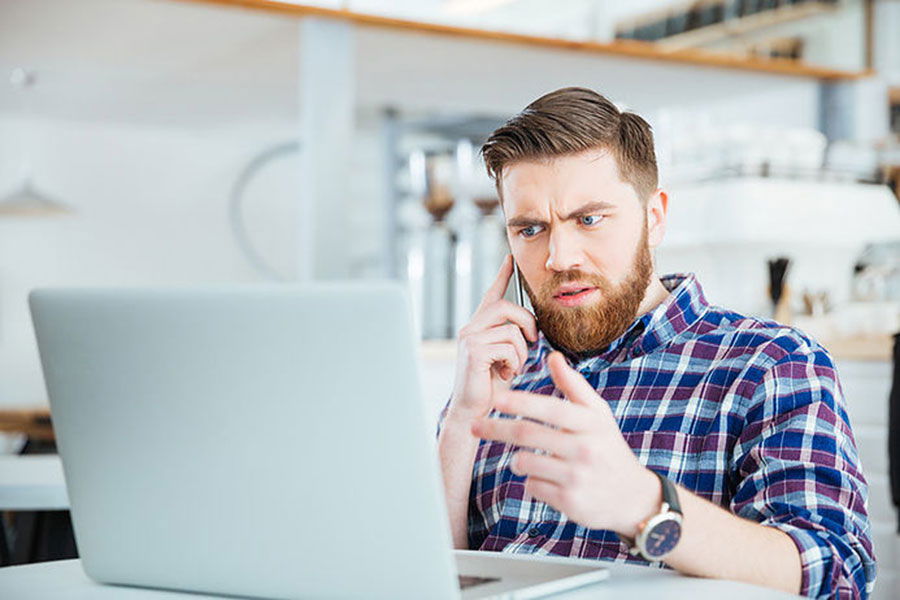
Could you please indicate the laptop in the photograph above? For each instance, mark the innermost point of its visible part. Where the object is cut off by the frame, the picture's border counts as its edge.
(264, 441)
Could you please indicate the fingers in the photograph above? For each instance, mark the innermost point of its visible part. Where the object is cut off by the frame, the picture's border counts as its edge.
(510, 334)
(526, 434)
(546, 409)
(502, 311)
(498, 288)
(494, 310)
(572, 384)
(548, 468)
(503, 358)
(545, 491)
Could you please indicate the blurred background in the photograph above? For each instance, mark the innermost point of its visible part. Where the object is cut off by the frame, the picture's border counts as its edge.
(157, 142)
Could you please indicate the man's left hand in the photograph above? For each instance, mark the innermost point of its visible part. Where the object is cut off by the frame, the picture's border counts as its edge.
(589, 473)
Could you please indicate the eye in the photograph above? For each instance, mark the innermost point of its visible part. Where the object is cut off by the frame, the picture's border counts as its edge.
(530, 231)
(590, 220)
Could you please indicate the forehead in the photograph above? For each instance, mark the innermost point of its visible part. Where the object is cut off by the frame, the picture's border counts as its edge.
(564, 182)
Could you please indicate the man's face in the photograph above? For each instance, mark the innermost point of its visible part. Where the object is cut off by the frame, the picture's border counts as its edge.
(580, 237)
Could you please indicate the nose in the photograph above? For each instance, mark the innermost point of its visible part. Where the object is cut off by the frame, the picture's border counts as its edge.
(564, 252)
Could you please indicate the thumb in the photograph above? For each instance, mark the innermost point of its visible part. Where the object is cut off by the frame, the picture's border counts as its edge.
(571, 382)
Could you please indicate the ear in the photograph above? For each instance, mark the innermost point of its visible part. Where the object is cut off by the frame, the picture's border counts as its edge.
(657, 207)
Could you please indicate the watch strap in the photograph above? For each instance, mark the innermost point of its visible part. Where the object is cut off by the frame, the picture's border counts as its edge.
(669, 494)
(670, 498)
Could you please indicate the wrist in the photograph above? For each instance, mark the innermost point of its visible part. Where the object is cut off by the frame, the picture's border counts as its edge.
(645, 501)
(460, 418)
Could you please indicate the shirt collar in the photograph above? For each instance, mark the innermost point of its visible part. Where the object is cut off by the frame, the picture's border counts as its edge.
(684, 306)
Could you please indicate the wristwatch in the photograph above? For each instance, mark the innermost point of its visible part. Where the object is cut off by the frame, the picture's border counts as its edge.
(658, 535)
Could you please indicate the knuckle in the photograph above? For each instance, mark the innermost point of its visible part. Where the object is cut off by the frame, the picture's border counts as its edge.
(522, 431)
(518, 337)
(506, 308)
(584, 451)
(549, 413)
(520, 462)
(573, 476)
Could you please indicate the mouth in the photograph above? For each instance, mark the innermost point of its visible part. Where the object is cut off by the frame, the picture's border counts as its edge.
(574, 296)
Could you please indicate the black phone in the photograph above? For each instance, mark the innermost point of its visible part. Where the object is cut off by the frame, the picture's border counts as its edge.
(521, 298)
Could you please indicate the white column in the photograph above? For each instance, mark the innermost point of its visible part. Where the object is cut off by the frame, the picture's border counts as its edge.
(327, 106)
(601, 21)
(855, 110)
(464, 218)
(887, 42)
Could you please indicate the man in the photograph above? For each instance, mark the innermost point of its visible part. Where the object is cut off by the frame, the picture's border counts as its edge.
(629, 419)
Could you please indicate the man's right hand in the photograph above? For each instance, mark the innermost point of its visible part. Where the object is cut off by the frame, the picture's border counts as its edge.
(491, 350)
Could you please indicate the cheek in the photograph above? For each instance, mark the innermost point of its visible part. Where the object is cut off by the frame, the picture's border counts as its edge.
(532, 260)
(613, 254)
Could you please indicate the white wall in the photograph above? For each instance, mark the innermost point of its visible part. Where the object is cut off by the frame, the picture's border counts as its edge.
(445, 73)
(150, 208)
(887, 42)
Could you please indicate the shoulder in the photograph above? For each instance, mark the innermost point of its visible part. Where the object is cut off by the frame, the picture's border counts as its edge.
(785, 372)
(765, 342)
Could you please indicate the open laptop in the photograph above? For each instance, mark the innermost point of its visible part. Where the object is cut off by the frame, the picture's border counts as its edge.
(266, 441)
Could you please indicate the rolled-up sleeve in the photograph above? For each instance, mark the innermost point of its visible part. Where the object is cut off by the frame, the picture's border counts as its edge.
(795, 467)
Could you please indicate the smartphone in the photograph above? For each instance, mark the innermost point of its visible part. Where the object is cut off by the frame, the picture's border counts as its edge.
(521, 298)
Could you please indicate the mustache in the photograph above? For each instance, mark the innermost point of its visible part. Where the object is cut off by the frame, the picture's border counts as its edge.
(560, 277)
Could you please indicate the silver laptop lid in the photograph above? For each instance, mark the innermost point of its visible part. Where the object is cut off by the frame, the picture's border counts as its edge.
(266, 441)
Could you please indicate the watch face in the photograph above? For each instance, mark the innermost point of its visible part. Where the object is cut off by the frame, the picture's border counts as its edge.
(663, 538)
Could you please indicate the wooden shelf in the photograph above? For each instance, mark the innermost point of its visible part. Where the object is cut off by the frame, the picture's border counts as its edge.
(33, 422)
(625, 48)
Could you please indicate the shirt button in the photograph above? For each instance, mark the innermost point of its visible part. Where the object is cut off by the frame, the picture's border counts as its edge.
(534, 532)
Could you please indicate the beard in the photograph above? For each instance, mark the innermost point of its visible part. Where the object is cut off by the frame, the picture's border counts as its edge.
(587, 330)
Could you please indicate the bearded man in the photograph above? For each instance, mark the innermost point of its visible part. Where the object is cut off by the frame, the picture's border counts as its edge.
(629, 419)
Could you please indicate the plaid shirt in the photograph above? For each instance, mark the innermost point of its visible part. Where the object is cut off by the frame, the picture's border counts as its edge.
(746, 413)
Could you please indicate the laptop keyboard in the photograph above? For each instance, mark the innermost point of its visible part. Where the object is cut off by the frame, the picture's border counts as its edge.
(467, 581)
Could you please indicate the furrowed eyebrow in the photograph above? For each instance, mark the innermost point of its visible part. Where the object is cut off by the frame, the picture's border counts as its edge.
(588, 209)
(524, 222)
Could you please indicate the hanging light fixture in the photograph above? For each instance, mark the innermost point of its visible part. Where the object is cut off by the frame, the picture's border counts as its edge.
(26, 199)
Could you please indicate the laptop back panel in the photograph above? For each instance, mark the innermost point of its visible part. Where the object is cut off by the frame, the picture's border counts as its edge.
(265, 441)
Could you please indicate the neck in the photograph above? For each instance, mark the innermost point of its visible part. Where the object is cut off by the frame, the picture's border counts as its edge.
(655, 295)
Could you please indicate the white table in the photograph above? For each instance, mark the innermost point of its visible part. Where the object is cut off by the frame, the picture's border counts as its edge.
(32, 482)
(36, 483)
(64, 580)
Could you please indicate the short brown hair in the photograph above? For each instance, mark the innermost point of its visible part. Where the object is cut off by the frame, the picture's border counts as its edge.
(572, 120)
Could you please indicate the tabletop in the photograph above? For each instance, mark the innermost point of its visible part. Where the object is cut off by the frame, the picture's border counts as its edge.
(35, 482)
(64, 580)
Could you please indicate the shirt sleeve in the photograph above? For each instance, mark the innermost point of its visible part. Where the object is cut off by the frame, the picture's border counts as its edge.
(795, 467)
(440, 420)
